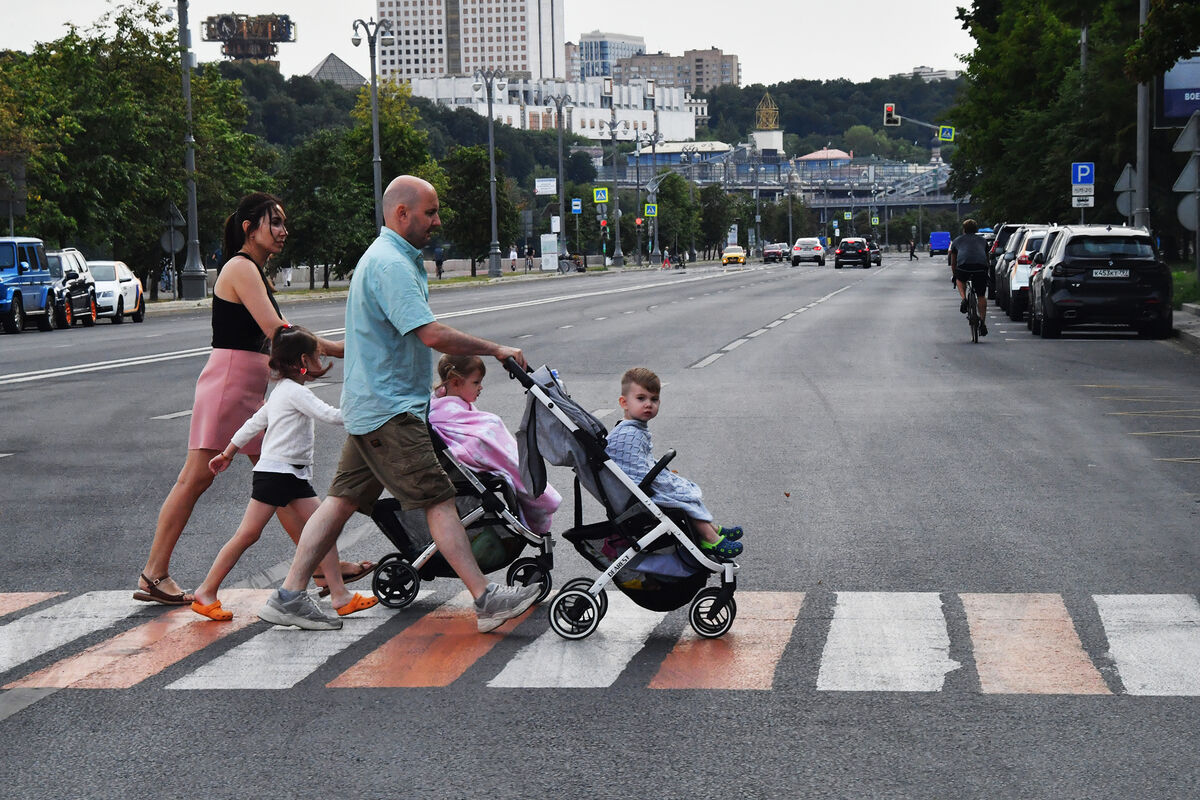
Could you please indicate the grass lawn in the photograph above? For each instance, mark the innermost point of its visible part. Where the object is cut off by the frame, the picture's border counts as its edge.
(1186, 289)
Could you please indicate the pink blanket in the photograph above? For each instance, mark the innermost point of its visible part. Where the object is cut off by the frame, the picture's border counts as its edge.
(480, 441)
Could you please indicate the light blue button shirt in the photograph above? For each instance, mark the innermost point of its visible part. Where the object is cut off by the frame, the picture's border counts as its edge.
(388, 370)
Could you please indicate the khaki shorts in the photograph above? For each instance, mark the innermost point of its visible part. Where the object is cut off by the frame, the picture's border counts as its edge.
(399, 457)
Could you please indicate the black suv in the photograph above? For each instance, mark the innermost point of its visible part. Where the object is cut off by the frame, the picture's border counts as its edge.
(1097, 274)
(75, 286)
(852, 250)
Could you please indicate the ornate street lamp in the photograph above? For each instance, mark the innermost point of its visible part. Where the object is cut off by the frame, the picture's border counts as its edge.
(689, 153)
(561, 101)
(492, 80)
(618, 258)
(194, 277)
(380, 31)
(652, 139)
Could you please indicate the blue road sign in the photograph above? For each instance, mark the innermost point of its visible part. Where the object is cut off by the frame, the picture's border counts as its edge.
(576, 205)
(651, 209)
(1083, 172)
(946, 133)
(599, 195)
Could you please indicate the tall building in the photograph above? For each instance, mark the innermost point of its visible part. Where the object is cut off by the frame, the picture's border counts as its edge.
(695, 70)
(435, 38)
(599, 52)
(574, 63)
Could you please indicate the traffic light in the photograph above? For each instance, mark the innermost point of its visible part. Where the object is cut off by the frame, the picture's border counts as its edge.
(889, 114)
(637, 221)
(603, 223)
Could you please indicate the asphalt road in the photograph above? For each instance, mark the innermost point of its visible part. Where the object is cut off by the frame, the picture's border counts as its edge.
(970, 570)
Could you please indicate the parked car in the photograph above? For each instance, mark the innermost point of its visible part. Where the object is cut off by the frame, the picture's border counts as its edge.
(876, 253)
(1039, 264)
(118, 292)
(26, 287)
(1103, 275)
(808, 248)
(939, 243)
(733, 255)
(75, 287)
(999, 244)
(1012, 275)
(852, 250)
(774, 252)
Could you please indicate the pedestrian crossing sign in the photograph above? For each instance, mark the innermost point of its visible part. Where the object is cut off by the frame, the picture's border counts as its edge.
(845, 215)
(600, 195)
(946, 133)
(651, 209)
(874, 220)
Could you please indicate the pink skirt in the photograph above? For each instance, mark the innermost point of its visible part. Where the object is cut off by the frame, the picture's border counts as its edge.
(231, 387)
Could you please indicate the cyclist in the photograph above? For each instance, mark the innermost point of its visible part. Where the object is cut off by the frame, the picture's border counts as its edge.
(969, 262)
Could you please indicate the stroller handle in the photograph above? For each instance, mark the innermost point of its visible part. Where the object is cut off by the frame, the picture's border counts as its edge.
(515, 371)
(655, 471)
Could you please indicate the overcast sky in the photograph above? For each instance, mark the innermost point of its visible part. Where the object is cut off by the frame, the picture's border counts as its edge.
(776, 40)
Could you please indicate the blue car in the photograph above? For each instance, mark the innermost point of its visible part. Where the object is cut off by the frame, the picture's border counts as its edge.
(939, 243)
(26, 285)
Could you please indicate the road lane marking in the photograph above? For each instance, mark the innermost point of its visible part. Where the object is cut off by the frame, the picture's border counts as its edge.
(1154, 641)
(15, 601)
(35, 634)
(1191, 433)
(1188, 460)
(5, 455)
(434, 651)
(886, 642)
(1027, 644)
(595, 662)
(175, 415)
(279, 658)
(131, 657)
(704, 362)
(745, 657)
(734, 345)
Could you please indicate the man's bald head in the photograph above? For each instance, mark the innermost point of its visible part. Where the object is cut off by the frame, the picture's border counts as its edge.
(410, 208)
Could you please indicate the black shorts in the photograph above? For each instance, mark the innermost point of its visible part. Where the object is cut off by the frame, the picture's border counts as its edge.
(977, 276)
(279, 488)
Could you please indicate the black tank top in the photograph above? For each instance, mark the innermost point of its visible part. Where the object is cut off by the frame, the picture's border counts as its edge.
(234, 327)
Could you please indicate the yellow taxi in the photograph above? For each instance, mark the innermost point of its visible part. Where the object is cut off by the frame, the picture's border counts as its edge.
(733, 255)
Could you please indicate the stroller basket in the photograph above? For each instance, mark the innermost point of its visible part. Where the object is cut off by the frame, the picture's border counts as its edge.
(662, 577)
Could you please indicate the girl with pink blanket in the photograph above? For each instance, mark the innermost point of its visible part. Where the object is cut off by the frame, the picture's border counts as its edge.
(479, 439)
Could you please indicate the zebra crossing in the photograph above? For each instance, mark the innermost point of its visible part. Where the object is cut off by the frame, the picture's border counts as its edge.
(873, 642)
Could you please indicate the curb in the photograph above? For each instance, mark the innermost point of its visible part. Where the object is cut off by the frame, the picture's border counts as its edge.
(1187, 326)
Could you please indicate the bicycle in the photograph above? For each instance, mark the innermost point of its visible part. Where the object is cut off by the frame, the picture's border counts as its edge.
(973, 318)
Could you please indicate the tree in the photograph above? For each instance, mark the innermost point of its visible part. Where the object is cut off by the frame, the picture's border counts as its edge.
(468, 196)
(1172, 32)
(716, 216)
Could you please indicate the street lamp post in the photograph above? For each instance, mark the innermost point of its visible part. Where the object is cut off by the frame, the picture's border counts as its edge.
(757, 216)
(372, 29)
(492, 79)
(618, 258)
(195, 278)
(689, 152)
(651, 139)
(850, 200)
(637, 171)
(560, 101)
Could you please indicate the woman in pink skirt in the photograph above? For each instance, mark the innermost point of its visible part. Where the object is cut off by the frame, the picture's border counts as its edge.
(232, 385)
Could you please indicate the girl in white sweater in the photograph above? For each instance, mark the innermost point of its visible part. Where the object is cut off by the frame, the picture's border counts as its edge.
(284, 470)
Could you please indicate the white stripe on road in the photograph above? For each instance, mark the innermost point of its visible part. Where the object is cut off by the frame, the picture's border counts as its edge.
(704, 362)
(886, 642)
(553, 662)
(279, 658)
(175, 415)
(734, 345)
(1154, 640)
(28, 637)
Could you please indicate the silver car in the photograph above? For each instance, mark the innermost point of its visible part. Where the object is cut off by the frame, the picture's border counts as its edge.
(808, 249)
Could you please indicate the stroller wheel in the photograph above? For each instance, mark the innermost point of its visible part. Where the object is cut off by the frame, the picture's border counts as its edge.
(583, 584)
(710, 617)
(574, 614)
(395, 583)
(525, 571)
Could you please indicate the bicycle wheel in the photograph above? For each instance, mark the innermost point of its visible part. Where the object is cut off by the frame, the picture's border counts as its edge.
(973, 316)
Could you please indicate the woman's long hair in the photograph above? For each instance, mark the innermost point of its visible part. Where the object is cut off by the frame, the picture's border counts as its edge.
(253, 207)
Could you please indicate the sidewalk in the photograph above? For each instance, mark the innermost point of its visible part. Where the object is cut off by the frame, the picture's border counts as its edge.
(1187, 326)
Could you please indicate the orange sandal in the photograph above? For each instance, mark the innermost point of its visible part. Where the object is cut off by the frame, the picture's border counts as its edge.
(213, 611)
(357, 603)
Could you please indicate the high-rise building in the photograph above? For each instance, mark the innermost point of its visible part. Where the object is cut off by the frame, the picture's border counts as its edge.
(435, 38)
(574, 63)
(695, 70)
(599, 52)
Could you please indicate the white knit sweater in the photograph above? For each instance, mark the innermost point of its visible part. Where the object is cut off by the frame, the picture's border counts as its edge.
(288, 417)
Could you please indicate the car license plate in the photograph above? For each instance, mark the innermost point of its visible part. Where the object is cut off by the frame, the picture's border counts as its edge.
(1110, 273)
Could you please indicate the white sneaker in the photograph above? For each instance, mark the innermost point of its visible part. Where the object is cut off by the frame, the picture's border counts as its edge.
(301, 612)
(502, 603)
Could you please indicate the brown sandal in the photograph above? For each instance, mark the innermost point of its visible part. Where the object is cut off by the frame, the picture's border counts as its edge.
(152, 594)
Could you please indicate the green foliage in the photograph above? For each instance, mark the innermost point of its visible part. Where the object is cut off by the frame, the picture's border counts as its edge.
(468, 196)
(1172, 32)
(1186, 288)
(285, 112)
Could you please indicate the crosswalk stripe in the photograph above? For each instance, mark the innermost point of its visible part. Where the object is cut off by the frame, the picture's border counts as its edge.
(38, 633)
(15, 601)
(1154, 641)
(745, 657)
(597, 661)
(434, 651)
(135, 655)
(1027, 644)
(886, 642)
(279, 658)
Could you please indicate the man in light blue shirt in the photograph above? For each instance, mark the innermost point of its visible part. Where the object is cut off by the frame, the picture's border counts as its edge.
(390, 337)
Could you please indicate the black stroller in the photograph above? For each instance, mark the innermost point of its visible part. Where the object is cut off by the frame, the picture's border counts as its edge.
(487, 507)
(649, 553)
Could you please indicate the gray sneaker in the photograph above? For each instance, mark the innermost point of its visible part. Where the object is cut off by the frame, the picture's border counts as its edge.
(504, 602)
(301, 612)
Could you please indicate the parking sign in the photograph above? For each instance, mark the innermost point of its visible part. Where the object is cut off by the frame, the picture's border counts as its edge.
(1083, 172)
